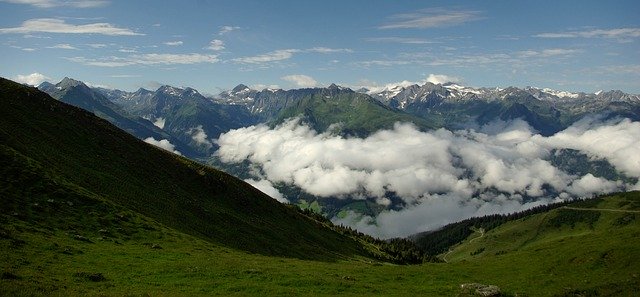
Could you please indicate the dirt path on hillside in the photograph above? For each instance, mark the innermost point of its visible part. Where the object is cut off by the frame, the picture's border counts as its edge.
(481, 235)
(481, 230)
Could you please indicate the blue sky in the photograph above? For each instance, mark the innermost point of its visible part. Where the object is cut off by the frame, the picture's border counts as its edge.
(215, 45)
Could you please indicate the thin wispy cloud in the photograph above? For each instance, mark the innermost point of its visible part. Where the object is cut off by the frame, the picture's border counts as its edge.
(63, 46)
(326, 50)
(173, 43)
(56, 3)
(285, 54)
(128, 50)
(273, 56)
(620, 34)
(147, 59)
(97, 45)
(629, 69)
(216, 45)
(61, 27)
(525, 57)
(546, 53)
(431, 18)
(405, 40)
(226, 29)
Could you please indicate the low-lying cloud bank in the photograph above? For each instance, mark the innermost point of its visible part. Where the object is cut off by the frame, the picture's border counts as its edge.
(441, 176)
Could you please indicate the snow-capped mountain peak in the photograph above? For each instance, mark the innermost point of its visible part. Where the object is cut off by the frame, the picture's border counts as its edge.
(560, 94)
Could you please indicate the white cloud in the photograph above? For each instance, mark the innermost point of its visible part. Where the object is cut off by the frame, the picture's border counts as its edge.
(267, 187)
(590, 185)
(439, 79)
(227, 29)
(163, 144)
(56, 3)
(442, 176)
(128, 50)
(285, 54)
(148, 59)
(64, 46)
(33, 79)
(327, 50)
(301, 80)
(97, 45)
(173, 43)
(374, 87)
(216, 45)
(620, 34)
(546, 53)
(159, 122)
(404, 40)
(431, 18)
(200, 136)
(59, 26)
(616, 141)
(274, 56)
(264, 86)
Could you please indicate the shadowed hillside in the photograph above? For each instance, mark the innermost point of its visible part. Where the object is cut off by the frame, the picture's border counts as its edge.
(76, 150)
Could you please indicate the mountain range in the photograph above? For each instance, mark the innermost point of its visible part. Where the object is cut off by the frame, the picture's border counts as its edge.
(88, 209)
(546, 110)
(190, 120)
(183, 120)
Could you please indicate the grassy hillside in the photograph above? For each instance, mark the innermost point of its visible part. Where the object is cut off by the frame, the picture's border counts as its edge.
(77, 149)
(591, 247)
(534, 256)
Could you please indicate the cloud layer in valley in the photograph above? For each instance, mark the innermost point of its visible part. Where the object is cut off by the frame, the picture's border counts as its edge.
(441, 176)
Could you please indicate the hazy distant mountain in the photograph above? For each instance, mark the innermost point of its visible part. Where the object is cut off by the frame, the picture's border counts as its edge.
(184, 113)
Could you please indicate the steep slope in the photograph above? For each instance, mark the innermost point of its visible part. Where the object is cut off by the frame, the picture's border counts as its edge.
(78, 94)
(80, 153)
